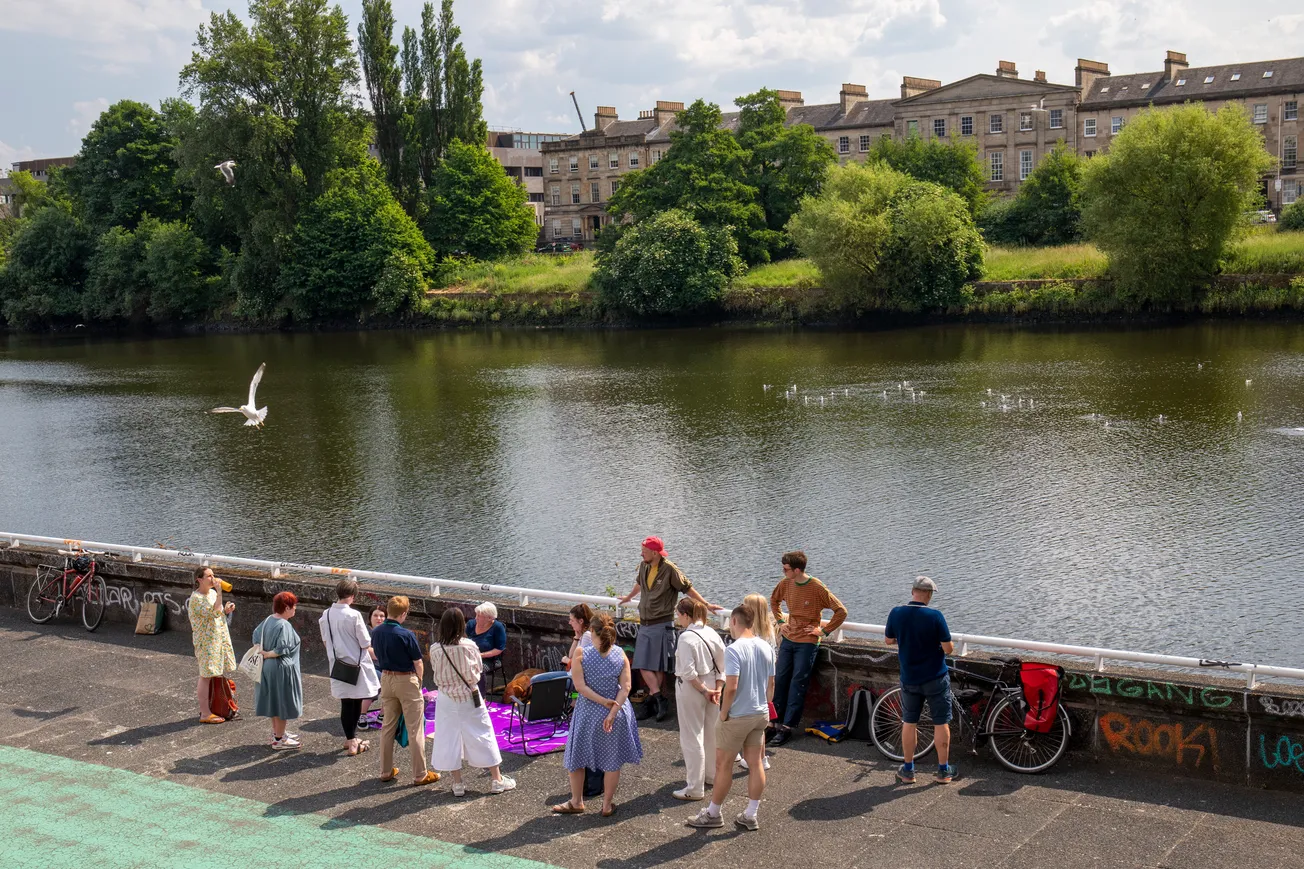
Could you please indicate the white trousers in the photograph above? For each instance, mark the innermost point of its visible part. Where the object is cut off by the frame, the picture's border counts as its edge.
(697, 721)
(462, 732)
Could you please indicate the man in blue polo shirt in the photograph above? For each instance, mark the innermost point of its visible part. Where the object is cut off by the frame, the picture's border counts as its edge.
(398, 657)
(923, 641)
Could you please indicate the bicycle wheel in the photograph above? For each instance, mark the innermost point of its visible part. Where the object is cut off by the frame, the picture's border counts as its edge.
(1023, 750)
(94, 595)
(885, 727)
(43, 599)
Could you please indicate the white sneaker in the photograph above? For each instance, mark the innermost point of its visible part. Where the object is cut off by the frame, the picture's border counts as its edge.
(687, 796)
(286, 743)
(765, 765)
(502, 785)
(459, 790)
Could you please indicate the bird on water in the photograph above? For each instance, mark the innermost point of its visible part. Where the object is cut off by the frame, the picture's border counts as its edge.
(253, 414)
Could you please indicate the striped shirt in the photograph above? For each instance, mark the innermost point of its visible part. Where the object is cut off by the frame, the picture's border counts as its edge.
(465, 660)
(806, 604)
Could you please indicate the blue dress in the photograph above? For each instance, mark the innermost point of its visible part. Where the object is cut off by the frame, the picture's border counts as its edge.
(588, 745)
(279, 694)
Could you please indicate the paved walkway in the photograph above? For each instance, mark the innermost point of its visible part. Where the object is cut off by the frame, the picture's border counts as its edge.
(74, 704)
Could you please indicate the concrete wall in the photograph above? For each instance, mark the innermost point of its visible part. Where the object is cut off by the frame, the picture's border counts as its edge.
(1192, 725)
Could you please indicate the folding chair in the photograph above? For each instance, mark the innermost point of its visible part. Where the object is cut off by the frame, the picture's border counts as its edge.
(550, 701)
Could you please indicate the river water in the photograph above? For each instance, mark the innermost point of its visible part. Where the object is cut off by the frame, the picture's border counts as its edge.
(543, 458)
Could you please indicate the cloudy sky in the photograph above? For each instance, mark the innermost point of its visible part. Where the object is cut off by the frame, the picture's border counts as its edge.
(64, 61)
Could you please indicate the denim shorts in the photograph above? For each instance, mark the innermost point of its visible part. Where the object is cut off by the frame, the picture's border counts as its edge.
(938, 695)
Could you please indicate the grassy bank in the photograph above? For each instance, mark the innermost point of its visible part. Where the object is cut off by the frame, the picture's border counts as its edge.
(531, 273)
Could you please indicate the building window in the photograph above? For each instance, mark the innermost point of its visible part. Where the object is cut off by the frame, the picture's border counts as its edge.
(912, 129)
(556, 229)
(864, 144)
(1260, 113)
(633, 159)
(615, 185)
(1025, 121)
(1289, 153)
(1088, 126)
(533, 171)
(577, 228)
(1057, 119)
(1290, 110)
(966, 125)
(1089, 154)
(1105, 89)
(997, 159)
(1290, 192)
(575, 194)
(1181, 82)
(535, 197)
(593, 162)
(556, 194)
(844, 145)
(1236, 76)
(655, 156)
(552, 166)
(1115, 125)
(1267, 73)
(939, 128)
(1208, 79)
(1025, 165)
(575, 163)
(595, 191)
(996, 124)
(613, 160)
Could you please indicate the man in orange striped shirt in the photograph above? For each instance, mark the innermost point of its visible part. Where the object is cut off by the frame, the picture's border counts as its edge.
(802, 630)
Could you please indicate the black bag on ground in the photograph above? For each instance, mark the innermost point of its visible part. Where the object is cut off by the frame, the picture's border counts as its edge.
(593, 783)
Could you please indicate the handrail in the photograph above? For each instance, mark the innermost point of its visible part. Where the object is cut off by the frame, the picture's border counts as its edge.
(434, 587)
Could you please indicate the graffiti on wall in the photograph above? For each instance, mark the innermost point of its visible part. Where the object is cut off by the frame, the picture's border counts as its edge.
(1184, 744)
(1282, 706)
(626, 631)
(1169, 692)
(1285, 753)
(124, 597)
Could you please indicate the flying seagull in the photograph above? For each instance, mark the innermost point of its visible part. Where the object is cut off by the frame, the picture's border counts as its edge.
(253, 415)
(227, 168)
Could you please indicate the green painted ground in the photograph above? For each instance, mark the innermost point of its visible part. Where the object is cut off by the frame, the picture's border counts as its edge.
(65, 813)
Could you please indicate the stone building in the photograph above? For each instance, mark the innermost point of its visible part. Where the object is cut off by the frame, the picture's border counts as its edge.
(522, 160)
(1270, 90)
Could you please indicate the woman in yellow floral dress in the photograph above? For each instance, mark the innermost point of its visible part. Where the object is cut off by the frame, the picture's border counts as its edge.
(211, 637)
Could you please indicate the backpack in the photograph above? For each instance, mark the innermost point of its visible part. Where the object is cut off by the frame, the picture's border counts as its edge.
(856, 726)
(1041, 687)
(221, 698)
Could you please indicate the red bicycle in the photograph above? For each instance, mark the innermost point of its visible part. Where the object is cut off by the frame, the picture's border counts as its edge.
(75, 583)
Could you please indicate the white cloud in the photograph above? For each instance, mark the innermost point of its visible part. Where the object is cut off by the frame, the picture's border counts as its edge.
(11, 154)
(118, 32)
(84, 114)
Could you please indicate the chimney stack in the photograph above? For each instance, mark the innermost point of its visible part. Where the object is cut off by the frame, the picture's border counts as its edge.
(1174, 62)
(1006, 69)
(604, 117)
(790, 100)
(852, 94)
(911, 86)
(1087, 72)
(665, 112)
(1039, 76)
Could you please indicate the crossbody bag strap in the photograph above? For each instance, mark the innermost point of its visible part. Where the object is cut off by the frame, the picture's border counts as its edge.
(330, 638)
(462, 678)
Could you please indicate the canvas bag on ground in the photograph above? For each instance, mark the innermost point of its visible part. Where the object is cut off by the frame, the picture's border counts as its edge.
(150, 620)
(252, 662)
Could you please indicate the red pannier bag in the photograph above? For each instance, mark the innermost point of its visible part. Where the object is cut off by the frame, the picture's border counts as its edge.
(1041, 687)
(221, 698)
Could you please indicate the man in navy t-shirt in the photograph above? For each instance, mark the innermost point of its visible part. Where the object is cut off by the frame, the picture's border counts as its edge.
(923, 641)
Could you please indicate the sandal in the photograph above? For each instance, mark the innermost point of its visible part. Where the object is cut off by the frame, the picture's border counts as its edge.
(362, 746)
(213, 719)
(566, 808)
(608, 813)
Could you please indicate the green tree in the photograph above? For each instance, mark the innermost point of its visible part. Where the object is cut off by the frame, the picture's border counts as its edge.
(384, 80)
(343, 244)
(45, 269)
(117, 287)
(783, 163)
(953, 164)
(176, 262)
(473, 207)
(126, 170)
(882, 238)
(704, 174)
(667, 264)
(1170, 195)
(1047, 210)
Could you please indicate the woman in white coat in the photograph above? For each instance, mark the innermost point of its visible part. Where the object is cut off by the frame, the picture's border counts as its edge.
(699, 671)
(345, 635)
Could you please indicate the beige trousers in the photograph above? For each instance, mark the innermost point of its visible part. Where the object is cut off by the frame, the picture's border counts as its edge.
(697, 721)
(400, 693)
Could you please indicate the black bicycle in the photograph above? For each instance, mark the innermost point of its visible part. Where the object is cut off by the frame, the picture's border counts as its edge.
(994, 712)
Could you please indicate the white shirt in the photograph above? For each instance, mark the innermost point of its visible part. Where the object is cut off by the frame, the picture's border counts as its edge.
(700, 655)
(347, 634)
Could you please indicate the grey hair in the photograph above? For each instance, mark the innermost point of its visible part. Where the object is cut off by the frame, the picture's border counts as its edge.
(487, 609)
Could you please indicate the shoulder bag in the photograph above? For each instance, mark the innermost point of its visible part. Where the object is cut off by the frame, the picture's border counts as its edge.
(475, 692)
(252, 662)
(342, 670)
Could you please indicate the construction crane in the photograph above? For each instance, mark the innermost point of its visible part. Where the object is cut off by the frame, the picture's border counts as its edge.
(583, 129)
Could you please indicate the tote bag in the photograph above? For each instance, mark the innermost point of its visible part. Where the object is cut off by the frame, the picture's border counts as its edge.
(252, 663)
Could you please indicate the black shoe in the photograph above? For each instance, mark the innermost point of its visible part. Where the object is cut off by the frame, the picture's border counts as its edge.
(663, 707)
(781, 737)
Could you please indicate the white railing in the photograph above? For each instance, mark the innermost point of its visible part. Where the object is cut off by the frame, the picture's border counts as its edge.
(434, 587)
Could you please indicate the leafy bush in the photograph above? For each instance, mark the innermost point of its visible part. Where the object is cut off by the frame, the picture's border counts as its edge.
(475, 209)
(116, 285)
(667, 264)
(882, 238)
(175, 260)
(953, 164)
(1292, 217)
(45, 269)
(1164, 242)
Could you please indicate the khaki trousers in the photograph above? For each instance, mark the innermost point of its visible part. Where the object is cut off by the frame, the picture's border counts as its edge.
(400, 693)
(697, 721)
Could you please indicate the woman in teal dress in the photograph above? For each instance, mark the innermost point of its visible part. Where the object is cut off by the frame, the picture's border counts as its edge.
(279, 694)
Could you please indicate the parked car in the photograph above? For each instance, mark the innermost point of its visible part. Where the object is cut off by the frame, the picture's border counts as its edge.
(1264, 216)
(558, 247)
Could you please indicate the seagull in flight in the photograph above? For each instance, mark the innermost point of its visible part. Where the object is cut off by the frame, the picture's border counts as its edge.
(253, 414)
(227, 168)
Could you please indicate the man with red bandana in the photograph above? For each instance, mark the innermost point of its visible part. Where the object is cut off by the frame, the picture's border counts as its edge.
(658, 585)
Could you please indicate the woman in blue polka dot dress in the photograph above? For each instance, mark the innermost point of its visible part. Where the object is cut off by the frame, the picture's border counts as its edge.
(603, 733)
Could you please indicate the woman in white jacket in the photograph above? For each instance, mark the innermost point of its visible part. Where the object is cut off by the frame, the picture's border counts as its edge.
(345, 635)
(699, 671)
